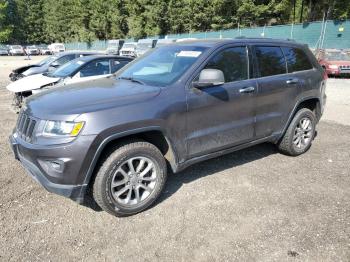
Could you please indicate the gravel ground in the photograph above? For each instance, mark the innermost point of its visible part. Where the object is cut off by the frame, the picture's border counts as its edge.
(255, 204)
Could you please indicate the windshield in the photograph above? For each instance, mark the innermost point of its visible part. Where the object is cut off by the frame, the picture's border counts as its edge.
(16, 47)
(31, 47)
(164, 65)
(337, 56)
(128, 46)
(47, 60)
(66, 69)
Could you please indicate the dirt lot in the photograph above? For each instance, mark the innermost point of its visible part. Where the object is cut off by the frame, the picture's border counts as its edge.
(255, 204)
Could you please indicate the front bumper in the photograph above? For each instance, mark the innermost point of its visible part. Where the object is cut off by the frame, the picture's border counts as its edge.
(61, 183)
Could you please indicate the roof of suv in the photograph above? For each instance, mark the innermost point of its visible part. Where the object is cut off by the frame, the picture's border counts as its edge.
(214, 42)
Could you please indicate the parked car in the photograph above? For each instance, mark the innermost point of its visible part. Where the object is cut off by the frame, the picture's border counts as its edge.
(57, 48)
(78, 70)
(32, 50)
(3, 50)
(165, 41)
(128, 49)
(144, 45)
(335, 62)
(175, 106)
(15, 50)
(48, 64)
(114, 46)
(44, 50)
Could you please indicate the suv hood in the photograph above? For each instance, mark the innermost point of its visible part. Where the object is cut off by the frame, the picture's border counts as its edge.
(89, 96)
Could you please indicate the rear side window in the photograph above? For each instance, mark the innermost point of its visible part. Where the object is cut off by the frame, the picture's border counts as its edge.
(297, 60)
(271, 60)
(232, 62)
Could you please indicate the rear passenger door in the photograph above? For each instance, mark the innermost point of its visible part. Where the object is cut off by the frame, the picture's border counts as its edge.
(277, 90)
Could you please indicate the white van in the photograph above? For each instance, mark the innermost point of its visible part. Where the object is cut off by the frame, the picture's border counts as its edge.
(56, 48)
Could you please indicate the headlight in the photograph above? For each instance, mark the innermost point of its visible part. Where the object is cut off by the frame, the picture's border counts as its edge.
(333, 66)
(62, 128)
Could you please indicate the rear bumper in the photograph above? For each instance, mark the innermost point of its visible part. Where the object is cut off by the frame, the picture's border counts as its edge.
(76, 192)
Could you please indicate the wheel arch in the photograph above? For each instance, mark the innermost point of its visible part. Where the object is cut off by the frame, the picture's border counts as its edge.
(313, 103)
(154, 135)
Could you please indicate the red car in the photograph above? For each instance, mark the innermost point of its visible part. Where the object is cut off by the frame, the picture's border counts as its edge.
(335, 62)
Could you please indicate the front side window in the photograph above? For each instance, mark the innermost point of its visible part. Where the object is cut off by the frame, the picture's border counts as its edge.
(233, 62)
(117, 64)
(271, 60)
(297, 60)
(95, 68)
(164, 65)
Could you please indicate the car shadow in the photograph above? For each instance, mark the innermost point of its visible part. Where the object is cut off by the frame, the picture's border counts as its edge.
(213, 166)
(203, 169)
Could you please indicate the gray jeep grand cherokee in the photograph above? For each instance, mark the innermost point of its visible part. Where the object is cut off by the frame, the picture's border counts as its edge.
(113, 138)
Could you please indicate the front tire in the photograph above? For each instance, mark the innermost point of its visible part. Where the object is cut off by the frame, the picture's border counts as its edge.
(300, 133)
(130, 179)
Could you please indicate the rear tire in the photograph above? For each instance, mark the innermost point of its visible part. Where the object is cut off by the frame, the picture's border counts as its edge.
(300, 133)
(130, 178)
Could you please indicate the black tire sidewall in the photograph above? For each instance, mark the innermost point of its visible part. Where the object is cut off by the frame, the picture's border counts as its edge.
(301, 114)
(160, 167)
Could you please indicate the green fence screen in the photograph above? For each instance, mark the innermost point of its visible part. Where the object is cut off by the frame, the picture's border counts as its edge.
(336, 35)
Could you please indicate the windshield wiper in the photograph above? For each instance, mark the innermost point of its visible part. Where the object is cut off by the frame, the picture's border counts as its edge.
(132, 79)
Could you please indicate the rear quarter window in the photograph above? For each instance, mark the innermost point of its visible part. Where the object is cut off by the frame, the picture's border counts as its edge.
(297, 60)
(271, 60)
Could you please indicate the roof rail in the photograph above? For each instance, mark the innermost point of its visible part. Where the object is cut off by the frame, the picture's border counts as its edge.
(269, 38)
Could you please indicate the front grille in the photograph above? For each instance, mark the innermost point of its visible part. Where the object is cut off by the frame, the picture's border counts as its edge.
(25, 127)
(344, 69)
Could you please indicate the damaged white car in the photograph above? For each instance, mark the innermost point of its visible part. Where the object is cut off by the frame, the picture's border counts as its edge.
(78, 70)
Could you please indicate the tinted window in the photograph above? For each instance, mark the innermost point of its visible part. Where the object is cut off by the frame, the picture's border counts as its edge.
(117, 64)
(296, 59)
(64, 59)
(232, 62)
(99, 67)
(271, 60)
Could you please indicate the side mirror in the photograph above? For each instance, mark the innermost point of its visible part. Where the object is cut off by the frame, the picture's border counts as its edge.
(210, 77)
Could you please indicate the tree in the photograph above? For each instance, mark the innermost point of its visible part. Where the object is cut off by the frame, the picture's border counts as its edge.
(5, 29)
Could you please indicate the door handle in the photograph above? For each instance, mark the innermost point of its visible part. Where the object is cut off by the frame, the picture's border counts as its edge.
(292, 81)
(249, 89)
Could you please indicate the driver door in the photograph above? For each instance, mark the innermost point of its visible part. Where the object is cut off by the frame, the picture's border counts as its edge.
(222, 116)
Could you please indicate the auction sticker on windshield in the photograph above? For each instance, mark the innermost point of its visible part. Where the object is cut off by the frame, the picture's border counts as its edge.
(189, 53)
